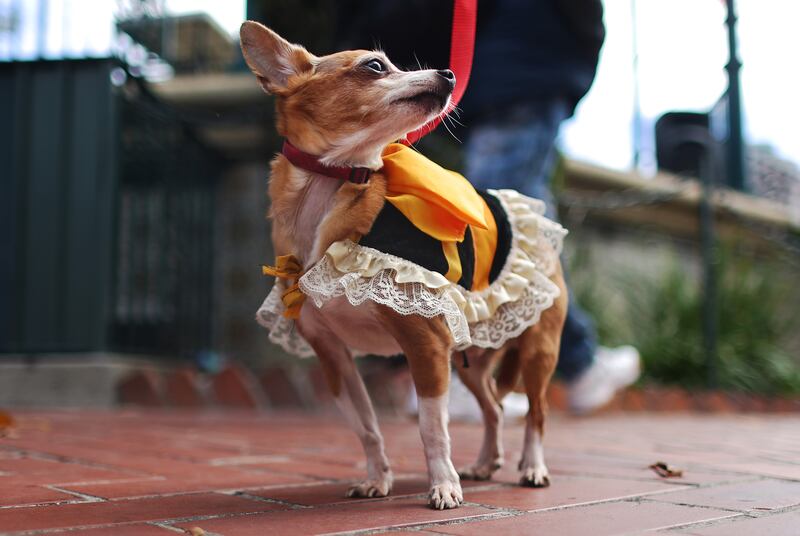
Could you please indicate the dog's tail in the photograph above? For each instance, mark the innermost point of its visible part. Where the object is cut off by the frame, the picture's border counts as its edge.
(508, 373)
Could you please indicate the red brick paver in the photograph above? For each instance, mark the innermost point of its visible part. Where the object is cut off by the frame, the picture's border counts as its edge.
(127, 511)
(150, 472)
(757, 496)
(604, 519)
(124, 530)
(357, 515)
(785, 524)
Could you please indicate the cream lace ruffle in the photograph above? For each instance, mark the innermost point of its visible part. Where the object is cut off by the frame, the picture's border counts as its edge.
(487, 318)
(282, 330)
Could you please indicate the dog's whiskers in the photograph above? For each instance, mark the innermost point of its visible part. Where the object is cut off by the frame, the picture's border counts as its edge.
(419, 64)
(444, 123)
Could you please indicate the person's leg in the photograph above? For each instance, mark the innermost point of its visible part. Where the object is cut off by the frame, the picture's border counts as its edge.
(516, 150)
(578, 342)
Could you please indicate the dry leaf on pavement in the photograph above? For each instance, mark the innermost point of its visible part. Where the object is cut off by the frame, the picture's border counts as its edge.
(663, 470)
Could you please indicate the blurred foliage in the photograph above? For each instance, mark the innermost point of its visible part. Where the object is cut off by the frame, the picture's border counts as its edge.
(661, 314)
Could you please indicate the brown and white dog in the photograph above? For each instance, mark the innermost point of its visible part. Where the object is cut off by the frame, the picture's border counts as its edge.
(345, 108)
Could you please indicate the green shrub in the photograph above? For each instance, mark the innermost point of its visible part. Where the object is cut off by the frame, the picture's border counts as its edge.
(662, 316)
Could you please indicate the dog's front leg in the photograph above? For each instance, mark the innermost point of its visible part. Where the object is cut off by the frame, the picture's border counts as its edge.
(353, 401)
(445, 487)
(426, 343)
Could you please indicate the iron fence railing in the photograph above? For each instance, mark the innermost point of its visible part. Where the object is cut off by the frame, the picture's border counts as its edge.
(107, 215)
(163, 290)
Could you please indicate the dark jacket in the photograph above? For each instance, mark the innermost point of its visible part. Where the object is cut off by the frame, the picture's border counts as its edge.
(525, 49)
(531, 50)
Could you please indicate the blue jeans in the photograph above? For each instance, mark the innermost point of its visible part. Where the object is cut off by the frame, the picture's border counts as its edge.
(515, 149)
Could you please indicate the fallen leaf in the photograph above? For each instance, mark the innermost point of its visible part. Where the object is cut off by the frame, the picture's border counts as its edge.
(196, 531)
(665, 471)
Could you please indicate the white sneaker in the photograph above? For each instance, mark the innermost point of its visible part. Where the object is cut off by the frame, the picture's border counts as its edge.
(613, 369)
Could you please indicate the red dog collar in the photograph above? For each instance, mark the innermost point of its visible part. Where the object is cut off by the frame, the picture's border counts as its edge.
(309, 162)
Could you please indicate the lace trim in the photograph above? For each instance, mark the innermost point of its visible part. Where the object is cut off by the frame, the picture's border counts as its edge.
(486, 318)
(540, 238)
(282, 330)
(512, 318)
(324, 282)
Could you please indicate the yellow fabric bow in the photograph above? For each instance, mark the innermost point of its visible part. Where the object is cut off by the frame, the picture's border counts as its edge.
(439, 202)
(288, 267)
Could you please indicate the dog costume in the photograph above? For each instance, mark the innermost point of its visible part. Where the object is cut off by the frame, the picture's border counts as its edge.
(482, 260)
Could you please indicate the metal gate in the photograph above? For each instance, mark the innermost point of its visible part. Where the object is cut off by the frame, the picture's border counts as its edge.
(106, 216)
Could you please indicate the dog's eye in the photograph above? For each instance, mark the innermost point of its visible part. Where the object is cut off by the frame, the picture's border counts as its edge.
(375, 65)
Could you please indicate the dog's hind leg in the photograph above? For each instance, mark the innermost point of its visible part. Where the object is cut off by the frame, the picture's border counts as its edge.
(353, 401)
(538, 353)
(426, 344)
(477, 377)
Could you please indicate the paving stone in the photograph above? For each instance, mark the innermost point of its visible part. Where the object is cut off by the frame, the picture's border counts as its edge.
(322, 494)
(319, 386)
(280, 389)
(122, 530)
(127, 511)
(671, 399)
(761, 495)
(691, 475)
(191, 484)
(753, 403)
(141, 388)
(234, 387)
(783, 524)
(778, 470)
(361, 515)
(158, 462)
(784, 405)
(16, 494)
(715, 402)
(419, 532)
(42, 471)
(634, 400)
(312, 469)
(597, 520)
(183, 389)
(566, 491)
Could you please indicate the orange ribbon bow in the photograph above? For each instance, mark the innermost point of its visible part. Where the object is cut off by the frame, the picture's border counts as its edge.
(439, 202)
(289, 268)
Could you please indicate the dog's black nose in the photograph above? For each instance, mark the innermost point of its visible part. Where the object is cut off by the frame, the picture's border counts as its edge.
(448, 75)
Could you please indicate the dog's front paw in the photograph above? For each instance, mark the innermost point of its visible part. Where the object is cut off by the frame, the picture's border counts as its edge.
(535, 477)
(480, 471)
(370, 488)
(445, 496)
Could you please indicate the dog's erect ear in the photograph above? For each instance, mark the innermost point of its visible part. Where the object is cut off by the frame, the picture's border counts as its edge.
(272, 58)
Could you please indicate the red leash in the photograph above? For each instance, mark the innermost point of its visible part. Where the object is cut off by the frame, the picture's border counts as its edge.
(462, 46)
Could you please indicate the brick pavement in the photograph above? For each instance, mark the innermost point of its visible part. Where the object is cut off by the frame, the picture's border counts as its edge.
(151, 472)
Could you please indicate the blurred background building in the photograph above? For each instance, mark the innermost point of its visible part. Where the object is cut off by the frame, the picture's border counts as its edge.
(134, 148)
